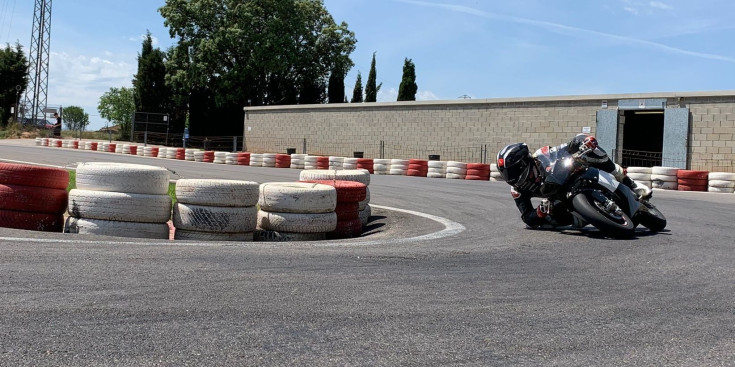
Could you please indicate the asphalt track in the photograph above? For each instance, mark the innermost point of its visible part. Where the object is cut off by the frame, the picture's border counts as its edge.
(474, 288)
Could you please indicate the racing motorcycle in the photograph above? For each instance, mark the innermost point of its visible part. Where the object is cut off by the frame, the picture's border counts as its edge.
(596, 196)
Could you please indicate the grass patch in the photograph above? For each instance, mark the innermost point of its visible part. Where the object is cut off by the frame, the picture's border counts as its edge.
(73, 185)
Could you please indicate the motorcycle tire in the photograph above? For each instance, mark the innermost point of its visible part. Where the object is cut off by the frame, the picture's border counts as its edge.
(650, 217)
(613, 225)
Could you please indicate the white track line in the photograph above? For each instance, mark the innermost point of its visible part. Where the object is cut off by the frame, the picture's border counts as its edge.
(451, 228)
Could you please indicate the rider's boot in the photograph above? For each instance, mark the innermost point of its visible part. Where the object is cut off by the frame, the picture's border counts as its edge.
(643, 191)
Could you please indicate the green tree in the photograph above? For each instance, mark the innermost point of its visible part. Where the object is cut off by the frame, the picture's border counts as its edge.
(234, 53)
(118, 105)
(407, 89)
(336, 89)
(151, 92)
(75, 119)
(371, 90)
(13, 73)
(357, 91)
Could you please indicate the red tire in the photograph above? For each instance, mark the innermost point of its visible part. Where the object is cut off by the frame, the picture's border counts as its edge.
(697, 175)
(692, 182)
(93, 146)
(243, 155)
(419, 162)
(416, 173)
(283, 161)
(154, 152)
(347, 191)
(477, 172)
(477, 178)
(27, 175)
(243, 162)
(347, 229)
(31, 221)
(75, 144)
(347, 211)
(133, 150)
(478, 166)
(33, 199)
(322, 162)
(58, 144)
(691, 188)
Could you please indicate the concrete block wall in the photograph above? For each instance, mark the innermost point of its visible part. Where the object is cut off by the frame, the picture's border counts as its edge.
(712, 129)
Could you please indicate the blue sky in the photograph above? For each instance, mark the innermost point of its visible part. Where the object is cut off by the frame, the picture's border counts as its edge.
(480, 49)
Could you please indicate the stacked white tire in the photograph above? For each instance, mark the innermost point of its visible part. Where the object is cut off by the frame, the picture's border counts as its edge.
(456, 170)
(437, 169)
(723, 182)
(190, 154)
(126, 149)
(103, 147)
(119, 148)
(336, 162)
(381, 166)
(162, 152)
(398, 167)
(269, 159)
(199, 156)
(640, 174)
(495, 174)
(298, 161)
(349, 163)
(119, 199)
(148, 151)
(215, 210)
(664, 178)
(220, 158)
(38, 142)
(171, 153)
(358, 175)
(231, 159)
(310, 162)
(296, 211)
(140, 151)
(256, 160)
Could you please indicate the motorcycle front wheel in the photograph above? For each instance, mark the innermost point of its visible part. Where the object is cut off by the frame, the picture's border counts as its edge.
(600, 211)
(650, 217)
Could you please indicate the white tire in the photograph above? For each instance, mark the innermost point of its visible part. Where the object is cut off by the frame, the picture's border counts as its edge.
(401, 162)
(119, 206)
(297, 222)
(350, 161)
(380, 161)
(184, 235)
(639, 176)
(397, 172)
(357, 175)
(381, 167)
(665, 185)
(297, 197)
(275, 236)
(456, 164)
(203, 218)
(721, 189)
(667, 171)
(721, 184)
(216, 192)
(644, 170)
(496, 175)
(117, 228)
(436, 175)
(455, 176)
(126, 149)
(118, 148)
(663, 178)
(365, 215)
(122, 177)
(162, 152)
(437, 170)
(438, 164)
(297, 156)
(456, 170)
(402, 167)
(493, 167)
(725, 176)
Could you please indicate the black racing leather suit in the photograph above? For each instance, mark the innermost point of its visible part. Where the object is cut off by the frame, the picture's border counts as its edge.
(560, 215)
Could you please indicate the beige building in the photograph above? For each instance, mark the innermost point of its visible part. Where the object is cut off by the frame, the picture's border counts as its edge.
(691, 130)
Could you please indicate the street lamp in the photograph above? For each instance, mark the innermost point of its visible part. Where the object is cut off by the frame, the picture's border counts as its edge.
(17, 103)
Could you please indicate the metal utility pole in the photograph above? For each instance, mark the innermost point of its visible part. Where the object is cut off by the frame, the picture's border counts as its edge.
(37, 92)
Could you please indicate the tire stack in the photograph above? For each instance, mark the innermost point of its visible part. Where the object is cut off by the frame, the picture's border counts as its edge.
(38, 142)
(721, 182)
(283, 161)
(359, 175)
(456, 170)
(243, 159)
(437, 169)
(126, 149)
(417, 168)
(349, 163)
(138, 151)
(162, 152)
(298, 161)
(231, 159)
(398, 167)
(215, 210)
(495, 174)
(381, 166)
(118, 148)
(57, 143)
(32, 198)
(349, 196)
(220, 158)
(322, 162)
(689, 180)
(180, 154)
(199, 156)
(170, 153)
(640, 174)
(366, 164)
(75, 144)
(120, 199)
(112, 147)
(44, 142)
(103, 147)
(190, 154)
(664, 178)
(336, 162)
(208, 156)
(310, 162)
(150, 152)
(256, 160)
(296, 211)
(478, 172)
(269, 159)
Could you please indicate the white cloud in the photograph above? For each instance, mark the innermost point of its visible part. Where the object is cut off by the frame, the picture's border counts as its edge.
(631, 10)
(142, 37)
(390, 95)
(659, 5)
(426, 95)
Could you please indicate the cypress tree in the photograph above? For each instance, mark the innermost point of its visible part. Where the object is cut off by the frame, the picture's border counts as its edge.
(407, 89)
(336, 89)
(357, 92)
(371, 90)
(151, 92)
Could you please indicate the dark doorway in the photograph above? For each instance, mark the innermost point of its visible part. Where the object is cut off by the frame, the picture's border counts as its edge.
(643, 138)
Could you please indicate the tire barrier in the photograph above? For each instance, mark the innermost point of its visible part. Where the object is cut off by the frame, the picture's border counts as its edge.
(38, 142)
(162, 153)
(381, 166)
(215, 210)
(110, 193)
(310, 162)
(495, 174)
(44, 142)
(336, 162)
(180, 154)
(691, 180)
(199, 156)
(437, 169)
(283, 161)
(243, 159)
(322, 162)
(723, 182)
(478, 172)
(640, 174)
(32, 198)
(208, 156)
(349, 196)
(139, 151)
(256, 160)
(220, 158)
(417, 168)
(275, 236)
(664, 178)
(231, 159)
(117, 149)
(298, 161)
(269, 159)
(299, 207)
(398, 167)
(355, 175)
(190, 155)
(366, 164)
(350, 163)
(456, 170)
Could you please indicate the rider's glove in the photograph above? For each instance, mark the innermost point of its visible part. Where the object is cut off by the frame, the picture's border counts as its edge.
(589, 143)
(543, 209)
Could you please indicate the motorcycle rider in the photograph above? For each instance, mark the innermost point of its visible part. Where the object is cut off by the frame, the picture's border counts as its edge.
(523, 171)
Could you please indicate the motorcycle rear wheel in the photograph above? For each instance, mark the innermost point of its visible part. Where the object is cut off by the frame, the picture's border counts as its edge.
(650, 217)
(614, 224)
